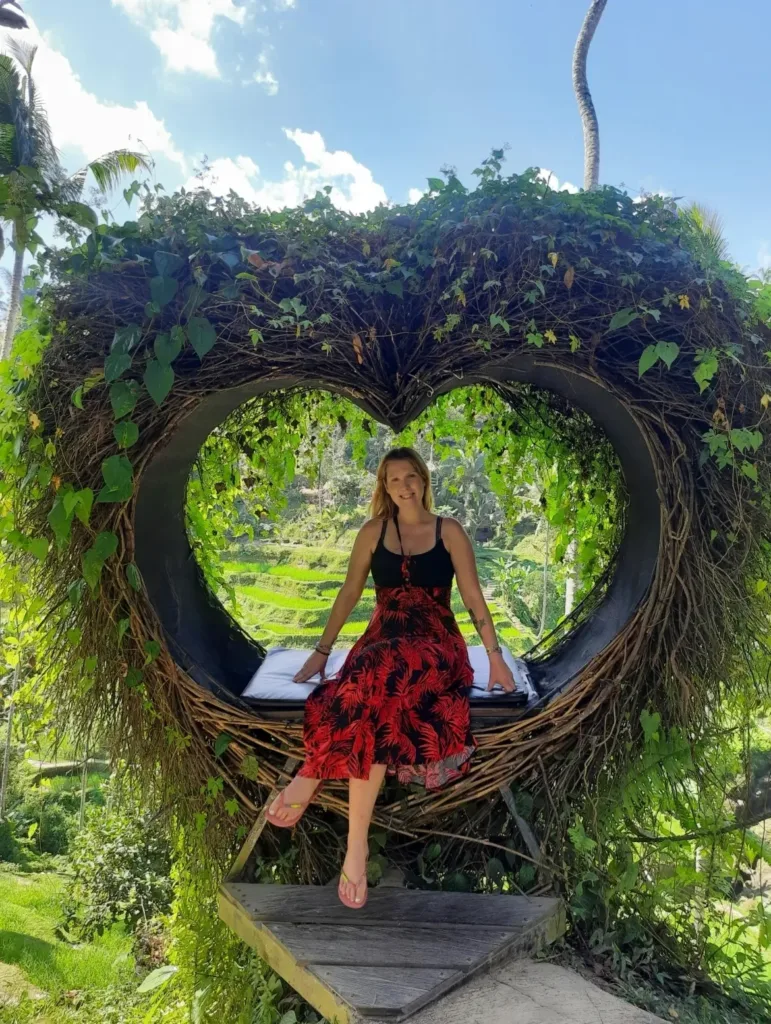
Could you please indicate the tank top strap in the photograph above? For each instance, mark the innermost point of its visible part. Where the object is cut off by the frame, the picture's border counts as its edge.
(382, 531)
(438, 529)
(398, 532)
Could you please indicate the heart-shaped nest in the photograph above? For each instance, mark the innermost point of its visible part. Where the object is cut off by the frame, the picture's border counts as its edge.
(175, 318)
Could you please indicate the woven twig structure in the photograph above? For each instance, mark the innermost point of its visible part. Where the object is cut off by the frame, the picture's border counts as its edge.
(390, 310)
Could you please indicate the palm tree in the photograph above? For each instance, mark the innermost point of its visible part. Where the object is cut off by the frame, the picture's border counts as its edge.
(584, 97)
(32, 180)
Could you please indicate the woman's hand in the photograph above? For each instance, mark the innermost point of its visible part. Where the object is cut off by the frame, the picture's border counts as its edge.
(316, 663)
(501, 674)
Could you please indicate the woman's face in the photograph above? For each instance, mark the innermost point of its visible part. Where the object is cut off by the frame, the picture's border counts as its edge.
(404, 484)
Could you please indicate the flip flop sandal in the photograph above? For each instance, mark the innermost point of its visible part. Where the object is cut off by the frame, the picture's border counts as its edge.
(343, 898)
(290, 822)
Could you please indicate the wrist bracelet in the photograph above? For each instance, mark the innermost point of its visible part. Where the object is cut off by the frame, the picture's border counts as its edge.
(494, 650)
(320, 650)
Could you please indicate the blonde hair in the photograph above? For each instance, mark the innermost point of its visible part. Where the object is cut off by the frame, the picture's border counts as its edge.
(382, 505)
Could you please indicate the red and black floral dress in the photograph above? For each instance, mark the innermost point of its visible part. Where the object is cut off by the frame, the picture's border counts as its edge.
(401, 697)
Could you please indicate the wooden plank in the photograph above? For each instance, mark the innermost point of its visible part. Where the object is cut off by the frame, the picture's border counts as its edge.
(306, 904)
(281, 959)
(445, 946)
(387, 991)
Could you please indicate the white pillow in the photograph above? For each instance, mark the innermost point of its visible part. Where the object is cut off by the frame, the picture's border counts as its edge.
(273, 680)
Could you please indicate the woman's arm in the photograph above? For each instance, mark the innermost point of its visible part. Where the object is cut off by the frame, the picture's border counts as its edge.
(353, 586)
(457, 542)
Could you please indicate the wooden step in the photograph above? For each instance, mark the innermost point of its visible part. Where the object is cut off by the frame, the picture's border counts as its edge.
(401, 951)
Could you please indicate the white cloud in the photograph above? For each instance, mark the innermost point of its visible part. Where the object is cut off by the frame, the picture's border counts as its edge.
(663, 192)
(353, 186)
(415, 194)
(553, 181)
(764, 255)
(81, 120)
(182, 29)
(265, 77)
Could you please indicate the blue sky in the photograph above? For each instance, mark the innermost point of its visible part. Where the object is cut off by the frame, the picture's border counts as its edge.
(285, 95)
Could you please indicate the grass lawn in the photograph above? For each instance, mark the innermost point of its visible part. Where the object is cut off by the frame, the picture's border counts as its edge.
(81, 981)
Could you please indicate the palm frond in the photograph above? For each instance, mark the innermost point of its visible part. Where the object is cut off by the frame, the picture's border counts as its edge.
(708, 227)
(7, 137)
(111, 168)
(23, 53)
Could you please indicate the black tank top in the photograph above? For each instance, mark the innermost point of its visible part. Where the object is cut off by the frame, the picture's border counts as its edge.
(432, 568)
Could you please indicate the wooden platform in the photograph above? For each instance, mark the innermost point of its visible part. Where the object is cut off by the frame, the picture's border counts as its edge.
(401, 951)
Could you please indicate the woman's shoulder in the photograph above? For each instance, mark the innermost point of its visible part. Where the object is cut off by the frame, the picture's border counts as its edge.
(452, 529)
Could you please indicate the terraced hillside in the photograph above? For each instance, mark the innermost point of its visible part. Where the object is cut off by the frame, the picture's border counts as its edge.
(285, 593)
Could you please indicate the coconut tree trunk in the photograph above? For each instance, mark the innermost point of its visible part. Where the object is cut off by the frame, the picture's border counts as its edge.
(544, 601)
(8, 739)
(584, 97)
(570, 580)
(14, 302)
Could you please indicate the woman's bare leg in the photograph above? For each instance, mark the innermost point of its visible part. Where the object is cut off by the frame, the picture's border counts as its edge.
(298, 790)
(362, 794)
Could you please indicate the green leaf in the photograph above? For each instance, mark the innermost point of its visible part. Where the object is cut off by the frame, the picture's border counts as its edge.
(650, 724)
(123, 398)
(494, 869)
(705, 371)
(81, 214)
(168, 263)
(126, 338)
(105, 545)
(126, 433)
(38, 548)
(93, 560)
(395, 288)
(168, 346)
(222, 743)
(250, 767)
(84, 505)
(134, 677)
(163, 290)
(133, 577)
(157, 978)
(115, 365)
(60, 521)
(77, 397)
(123, 626)
(749, 469)
(152, 649)
(435, 184)
(118, 476)
(202, 335)
(622, 318)
(498, 321)
(158, 379)
(648, 359)
(668, 351)
(74, 593)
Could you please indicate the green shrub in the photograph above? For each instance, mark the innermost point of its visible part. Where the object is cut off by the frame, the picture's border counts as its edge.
(9, 849)
(120, 864)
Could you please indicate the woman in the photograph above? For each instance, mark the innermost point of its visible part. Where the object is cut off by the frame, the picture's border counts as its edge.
(399, 704)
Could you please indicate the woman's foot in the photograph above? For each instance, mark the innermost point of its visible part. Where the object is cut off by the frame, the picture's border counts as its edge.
(299, 791)
(353, 877)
